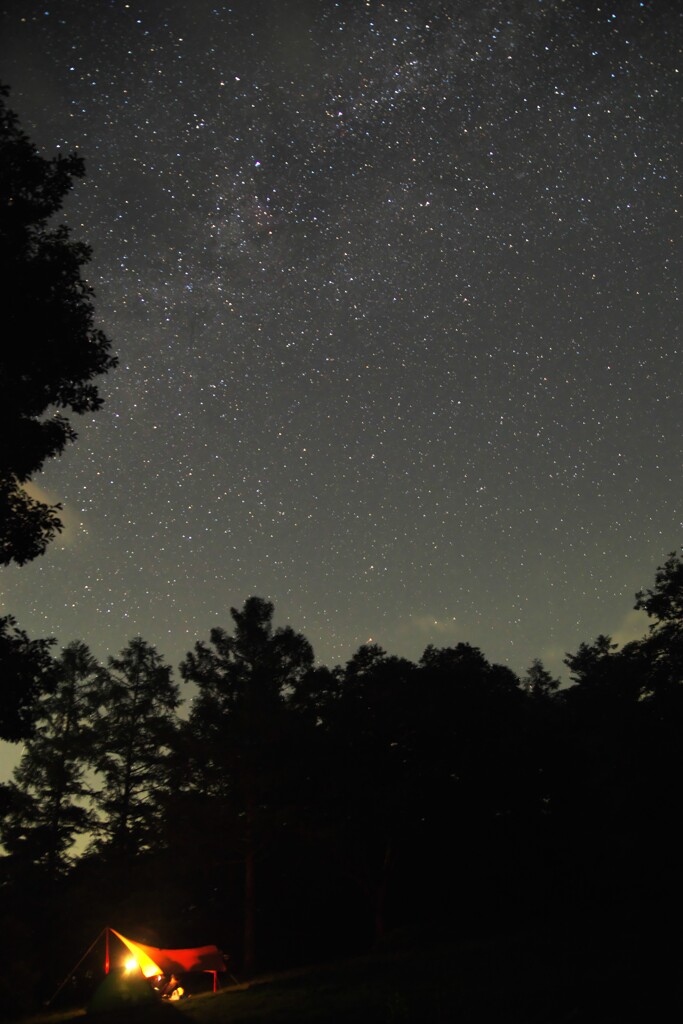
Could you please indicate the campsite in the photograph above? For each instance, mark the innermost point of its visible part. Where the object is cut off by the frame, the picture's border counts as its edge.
(387, 841)
(135, 972)
(416, 981)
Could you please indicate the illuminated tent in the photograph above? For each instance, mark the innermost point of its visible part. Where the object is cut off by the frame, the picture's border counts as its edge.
(153, 961)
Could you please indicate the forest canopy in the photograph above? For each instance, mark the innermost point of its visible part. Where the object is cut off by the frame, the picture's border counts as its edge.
(300, 810)
(52, 351)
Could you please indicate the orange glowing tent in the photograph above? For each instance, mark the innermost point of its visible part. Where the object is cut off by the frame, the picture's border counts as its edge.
(152, 960)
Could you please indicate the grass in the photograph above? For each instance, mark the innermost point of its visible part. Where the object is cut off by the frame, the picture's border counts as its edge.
(590, 976)
(515, 981)
(427, 986)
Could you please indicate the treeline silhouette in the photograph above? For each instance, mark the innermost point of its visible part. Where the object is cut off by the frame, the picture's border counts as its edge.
(300, 812)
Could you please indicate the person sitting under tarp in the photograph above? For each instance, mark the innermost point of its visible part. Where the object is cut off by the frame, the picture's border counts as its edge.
(172, 989)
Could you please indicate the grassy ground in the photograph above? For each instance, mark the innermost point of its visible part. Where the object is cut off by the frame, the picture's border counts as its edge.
(515, 982)
(412, 985)
(427, 987)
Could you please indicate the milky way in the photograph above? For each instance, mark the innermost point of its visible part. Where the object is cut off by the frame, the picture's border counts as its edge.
(394, 289)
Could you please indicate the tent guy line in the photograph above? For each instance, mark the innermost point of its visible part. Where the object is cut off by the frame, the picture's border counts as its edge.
(153, 961)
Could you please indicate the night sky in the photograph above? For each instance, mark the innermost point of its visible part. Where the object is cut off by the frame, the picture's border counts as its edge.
(394, 288)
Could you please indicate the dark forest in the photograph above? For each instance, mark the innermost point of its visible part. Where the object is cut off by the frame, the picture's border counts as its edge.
(298, 812)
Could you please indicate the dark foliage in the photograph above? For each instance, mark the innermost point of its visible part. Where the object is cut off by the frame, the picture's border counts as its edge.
(26, 671)
(664, 602)
(244, 737)
(51, 350)
(133, 714)
(46, 812)
(304, 812)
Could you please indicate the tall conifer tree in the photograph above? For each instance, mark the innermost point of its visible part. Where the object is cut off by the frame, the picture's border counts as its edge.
(243, 731)
(47, 798)
(134, 728)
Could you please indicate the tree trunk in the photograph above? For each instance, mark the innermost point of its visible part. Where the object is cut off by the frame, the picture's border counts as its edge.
(249, 891)
(381, 893)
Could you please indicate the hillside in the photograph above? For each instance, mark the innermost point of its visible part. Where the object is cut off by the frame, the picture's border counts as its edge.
(520, 981)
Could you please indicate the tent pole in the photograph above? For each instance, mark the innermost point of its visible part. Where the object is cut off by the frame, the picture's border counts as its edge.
(106, 951)
(76, 966)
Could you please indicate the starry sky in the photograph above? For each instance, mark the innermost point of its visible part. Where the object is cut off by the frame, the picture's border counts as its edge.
(394, 289)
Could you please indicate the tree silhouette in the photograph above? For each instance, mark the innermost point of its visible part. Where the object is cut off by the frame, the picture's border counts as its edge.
(244, 733)
(538, 682)
(134, 724)
(664, 601)
(373, 793)
(331, 806)
(663, 647)
(26, 671)
(51, 351)
(47, 797)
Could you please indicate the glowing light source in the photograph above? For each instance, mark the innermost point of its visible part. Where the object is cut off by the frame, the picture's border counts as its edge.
(139, 957)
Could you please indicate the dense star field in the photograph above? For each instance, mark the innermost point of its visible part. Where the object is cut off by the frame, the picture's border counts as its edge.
(394, 290)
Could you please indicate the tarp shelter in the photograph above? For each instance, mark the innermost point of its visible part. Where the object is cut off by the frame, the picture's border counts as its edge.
(153, 960)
